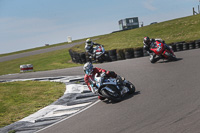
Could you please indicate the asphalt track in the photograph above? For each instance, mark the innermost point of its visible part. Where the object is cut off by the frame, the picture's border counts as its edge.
(40, 51)
(167, 98)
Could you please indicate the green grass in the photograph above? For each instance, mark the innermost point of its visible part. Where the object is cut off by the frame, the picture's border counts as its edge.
(182, 29)
(47, 61)
(42, 47)
(20, 99)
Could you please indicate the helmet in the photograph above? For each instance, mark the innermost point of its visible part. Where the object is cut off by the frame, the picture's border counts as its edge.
(88, 68)
(147, 41)
(88, 44)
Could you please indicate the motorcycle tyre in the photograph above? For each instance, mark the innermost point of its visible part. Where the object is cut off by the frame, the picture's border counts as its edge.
(131, 88)
(172, 58)
(152, 58)
(106, 94)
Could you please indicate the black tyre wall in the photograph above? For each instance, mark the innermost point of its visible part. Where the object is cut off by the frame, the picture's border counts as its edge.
(185, 46)
(174, 47)
(112, 54)
(192, 45)
(179, 46)
(72, 55)
(120, 54)
(197, 44)
(129, 53)
(82, 57)
(138, 52)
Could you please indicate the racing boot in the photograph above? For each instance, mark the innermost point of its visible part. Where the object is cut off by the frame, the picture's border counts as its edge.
(124, 90)
(122, 84)
(101, 98)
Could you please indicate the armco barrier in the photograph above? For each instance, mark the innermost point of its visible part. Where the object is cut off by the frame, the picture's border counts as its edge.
(128, 53)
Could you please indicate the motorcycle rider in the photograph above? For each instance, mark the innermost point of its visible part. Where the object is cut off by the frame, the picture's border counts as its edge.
(151, 43)
(91, 71)
(89, 47)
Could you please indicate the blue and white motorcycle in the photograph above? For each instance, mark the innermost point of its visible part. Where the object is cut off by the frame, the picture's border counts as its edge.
(113, 89)
(98, 54)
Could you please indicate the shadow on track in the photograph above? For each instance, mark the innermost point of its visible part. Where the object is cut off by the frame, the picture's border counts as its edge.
(167, 61)
(126, 97)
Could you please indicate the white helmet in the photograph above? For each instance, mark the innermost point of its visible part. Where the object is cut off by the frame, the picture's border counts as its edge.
(88, 68)
(88, 44)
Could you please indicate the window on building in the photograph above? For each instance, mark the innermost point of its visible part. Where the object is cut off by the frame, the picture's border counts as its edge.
(131, 21)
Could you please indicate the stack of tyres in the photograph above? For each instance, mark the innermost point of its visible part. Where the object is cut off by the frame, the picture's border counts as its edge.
(173, 47)
(129, 53)
(72, 55)
(138, 52)
(192, 45)
(185, 46)
(179, 46)
(197, 44)
(112, 55)
(120, 54)
(82, 58)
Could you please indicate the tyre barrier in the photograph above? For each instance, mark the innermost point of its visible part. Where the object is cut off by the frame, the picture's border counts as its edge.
(120, 54)
(26, 67)
(173, 47)
(179, 46)
(192, 45)
(185, 46)
(197, 44)
(138, 52)
(128, 53)
(112, 54)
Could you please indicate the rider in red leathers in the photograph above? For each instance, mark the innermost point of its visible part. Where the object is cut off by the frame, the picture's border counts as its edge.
(90, 72)
(150, 43)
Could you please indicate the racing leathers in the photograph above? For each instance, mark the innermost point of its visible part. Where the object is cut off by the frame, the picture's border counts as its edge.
(89, 79)
(90, 50)
(152, 44)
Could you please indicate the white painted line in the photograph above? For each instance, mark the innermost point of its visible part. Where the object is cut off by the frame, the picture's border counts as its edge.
(69, 116)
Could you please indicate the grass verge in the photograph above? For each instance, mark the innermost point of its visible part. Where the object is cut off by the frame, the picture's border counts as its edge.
(182, 29)
(20, 99)
(47, 61)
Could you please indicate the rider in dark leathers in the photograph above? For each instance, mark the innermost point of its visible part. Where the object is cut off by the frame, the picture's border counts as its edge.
(89, 47)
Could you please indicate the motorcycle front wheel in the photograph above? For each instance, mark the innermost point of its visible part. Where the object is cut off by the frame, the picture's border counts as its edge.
(152, 58)
(113, 96)
(131, 88)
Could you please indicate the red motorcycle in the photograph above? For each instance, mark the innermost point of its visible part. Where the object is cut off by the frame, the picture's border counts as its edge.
(161, 51)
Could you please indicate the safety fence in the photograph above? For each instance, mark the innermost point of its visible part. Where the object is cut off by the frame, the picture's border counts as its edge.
(128, 53)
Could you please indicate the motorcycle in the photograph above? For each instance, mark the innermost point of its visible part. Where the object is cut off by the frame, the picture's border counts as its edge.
(162, 52)
(111, 88)
(98, 54)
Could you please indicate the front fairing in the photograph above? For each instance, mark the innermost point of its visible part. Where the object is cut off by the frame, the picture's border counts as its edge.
(99, 50)
(158, 48)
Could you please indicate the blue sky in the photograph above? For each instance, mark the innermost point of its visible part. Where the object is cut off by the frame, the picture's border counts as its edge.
(28, 24)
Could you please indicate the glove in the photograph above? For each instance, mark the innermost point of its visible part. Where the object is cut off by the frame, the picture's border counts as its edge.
(103, 74)
(94, 85)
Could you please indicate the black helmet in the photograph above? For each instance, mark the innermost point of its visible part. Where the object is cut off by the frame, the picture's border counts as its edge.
(147, 41)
